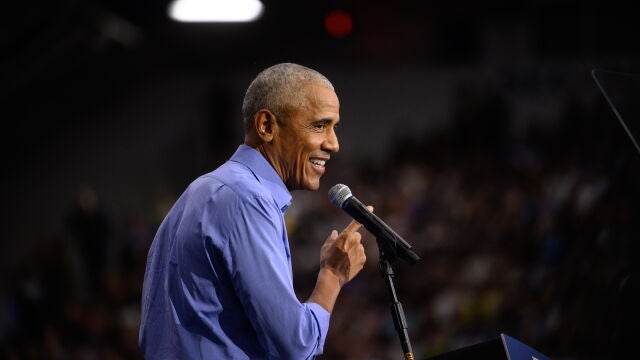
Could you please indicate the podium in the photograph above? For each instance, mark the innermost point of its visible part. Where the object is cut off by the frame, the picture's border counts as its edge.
(503, 347)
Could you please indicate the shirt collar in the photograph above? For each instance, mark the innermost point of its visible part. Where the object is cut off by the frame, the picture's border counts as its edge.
(265, 173)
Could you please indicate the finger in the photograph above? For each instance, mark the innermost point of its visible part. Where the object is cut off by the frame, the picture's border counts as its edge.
(352, 240)
(361, 254)
(354, 225)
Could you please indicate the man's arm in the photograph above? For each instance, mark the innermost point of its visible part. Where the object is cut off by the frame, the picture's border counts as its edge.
(259, 267)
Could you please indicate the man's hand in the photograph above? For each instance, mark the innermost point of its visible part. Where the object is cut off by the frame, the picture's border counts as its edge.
(341, 259)
(343, 254)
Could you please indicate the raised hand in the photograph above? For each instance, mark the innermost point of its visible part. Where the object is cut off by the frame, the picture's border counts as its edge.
(343, 254)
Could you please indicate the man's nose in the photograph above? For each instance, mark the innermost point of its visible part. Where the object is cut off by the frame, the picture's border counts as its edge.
(331, 143)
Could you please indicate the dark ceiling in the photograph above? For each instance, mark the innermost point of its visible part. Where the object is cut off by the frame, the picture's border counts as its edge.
(44, 38)
(52, 52)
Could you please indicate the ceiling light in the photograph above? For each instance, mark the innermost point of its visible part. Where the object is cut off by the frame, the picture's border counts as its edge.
(215, 10)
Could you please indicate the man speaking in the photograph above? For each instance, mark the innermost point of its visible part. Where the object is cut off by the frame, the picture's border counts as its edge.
(218, 281)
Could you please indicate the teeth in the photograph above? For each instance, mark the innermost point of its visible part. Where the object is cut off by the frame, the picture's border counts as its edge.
(318, 162)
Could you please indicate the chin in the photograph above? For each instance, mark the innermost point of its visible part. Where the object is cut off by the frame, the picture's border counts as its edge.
(313, 186)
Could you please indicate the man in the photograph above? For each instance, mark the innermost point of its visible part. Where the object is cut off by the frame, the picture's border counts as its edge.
(218, 283)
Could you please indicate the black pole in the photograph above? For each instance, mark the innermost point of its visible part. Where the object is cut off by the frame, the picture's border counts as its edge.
(397, 312)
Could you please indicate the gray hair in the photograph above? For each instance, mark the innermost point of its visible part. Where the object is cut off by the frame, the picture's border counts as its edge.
(279, 89)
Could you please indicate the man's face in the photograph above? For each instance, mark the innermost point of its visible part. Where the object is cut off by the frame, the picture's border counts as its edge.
(305, 142)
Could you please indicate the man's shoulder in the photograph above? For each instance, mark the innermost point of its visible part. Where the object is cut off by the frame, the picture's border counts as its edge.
(232, 179)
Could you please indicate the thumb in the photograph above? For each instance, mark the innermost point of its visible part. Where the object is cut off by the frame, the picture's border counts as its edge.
(333, 237)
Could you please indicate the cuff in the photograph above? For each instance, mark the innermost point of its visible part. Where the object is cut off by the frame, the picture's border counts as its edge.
(322, 317)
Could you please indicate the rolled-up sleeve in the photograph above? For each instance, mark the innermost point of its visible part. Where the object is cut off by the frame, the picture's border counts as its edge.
(322, 318)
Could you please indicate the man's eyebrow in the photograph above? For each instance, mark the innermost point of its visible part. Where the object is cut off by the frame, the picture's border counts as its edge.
(324, 121)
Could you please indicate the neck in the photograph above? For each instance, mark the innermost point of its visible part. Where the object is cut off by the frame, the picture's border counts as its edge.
(264, 150)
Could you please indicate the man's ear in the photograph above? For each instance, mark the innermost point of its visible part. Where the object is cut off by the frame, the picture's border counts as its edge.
(265, 124)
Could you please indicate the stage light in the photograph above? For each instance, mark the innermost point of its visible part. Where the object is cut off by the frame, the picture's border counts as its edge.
(215, 10)
(338, 23)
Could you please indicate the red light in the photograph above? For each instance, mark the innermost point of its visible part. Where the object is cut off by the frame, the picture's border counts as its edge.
(338, 23)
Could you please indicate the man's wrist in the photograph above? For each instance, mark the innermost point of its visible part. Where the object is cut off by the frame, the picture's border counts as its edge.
(327, 288)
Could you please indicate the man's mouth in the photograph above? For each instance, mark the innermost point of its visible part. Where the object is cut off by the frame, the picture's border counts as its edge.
(318, 162)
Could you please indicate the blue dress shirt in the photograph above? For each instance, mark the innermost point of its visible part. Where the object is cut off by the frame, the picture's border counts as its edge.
(218, 282)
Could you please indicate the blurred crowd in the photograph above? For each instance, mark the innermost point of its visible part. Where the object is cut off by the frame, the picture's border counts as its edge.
(530, 236)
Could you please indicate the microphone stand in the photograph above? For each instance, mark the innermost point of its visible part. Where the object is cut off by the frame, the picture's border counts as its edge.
(388, 256)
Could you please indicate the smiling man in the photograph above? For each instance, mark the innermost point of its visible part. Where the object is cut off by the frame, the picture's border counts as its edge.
(218, 283)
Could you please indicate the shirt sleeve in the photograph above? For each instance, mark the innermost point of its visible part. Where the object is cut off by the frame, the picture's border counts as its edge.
(258, 263)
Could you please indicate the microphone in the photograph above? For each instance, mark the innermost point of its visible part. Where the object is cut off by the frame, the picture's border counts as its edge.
(340, 196)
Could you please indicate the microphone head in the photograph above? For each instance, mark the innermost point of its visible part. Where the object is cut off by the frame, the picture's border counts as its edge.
(338, 194)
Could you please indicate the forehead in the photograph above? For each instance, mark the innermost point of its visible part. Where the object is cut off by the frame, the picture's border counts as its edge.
(321, 99)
